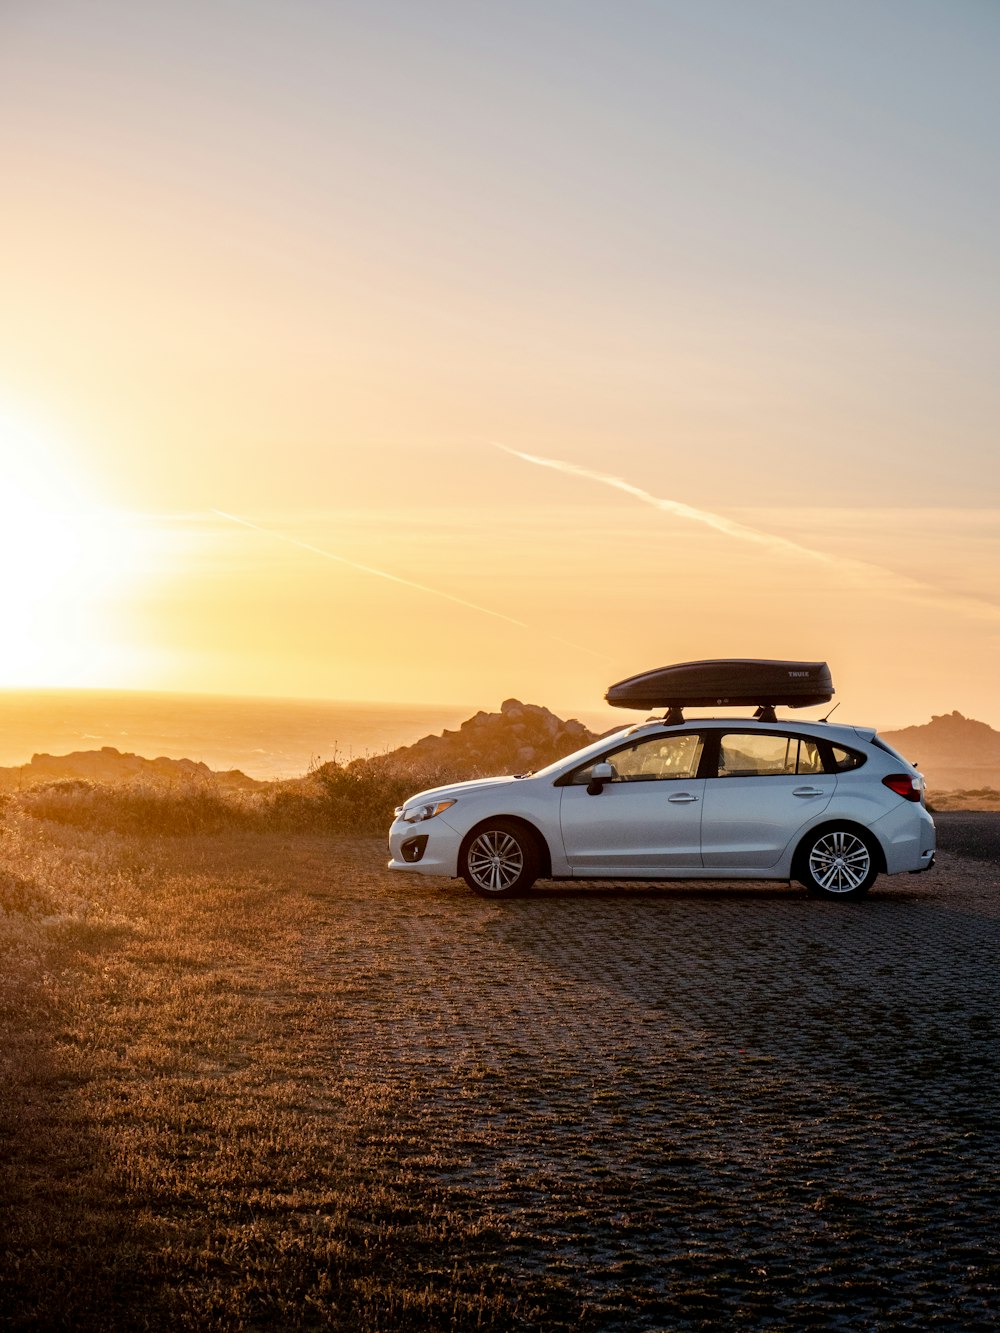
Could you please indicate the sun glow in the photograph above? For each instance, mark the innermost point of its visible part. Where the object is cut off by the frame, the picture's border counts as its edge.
(67, 560)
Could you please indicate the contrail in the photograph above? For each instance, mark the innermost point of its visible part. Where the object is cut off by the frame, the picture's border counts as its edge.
(370, 569)
(926, 592)
(725, 525)
(396, 578)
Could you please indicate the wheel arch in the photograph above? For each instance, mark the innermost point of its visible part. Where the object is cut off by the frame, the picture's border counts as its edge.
(851, 826)
(544, 855)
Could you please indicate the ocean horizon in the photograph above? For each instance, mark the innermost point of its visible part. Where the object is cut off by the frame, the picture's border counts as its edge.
(263, 737)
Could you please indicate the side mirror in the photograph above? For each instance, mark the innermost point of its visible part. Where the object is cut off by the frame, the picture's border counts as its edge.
(599, 775)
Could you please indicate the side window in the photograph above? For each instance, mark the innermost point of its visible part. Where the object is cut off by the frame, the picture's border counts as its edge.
(661, 758)
(810, 759)
(757, 754)
(845, 759)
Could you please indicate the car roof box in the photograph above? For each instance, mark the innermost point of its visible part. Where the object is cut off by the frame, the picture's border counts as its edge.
(728, 681)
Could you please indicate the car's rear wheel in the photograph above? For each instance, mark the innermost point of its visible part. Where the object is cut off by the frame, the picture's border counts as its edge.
(837, 863)
(500, 859)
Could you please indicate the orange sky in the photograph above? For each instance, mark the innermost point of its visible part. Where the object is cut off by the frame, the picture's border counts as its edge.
(733, 268)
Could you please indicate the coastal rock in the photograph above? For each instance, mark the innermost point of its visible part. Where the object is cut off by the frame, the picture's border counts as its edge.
(952, 751)
(956, 754)
(109, 765)
(488, 744)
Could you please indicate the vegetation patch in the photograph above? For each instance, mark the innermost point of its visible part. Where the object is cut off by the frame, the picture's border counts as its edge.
(356, 799)
(181, 1147)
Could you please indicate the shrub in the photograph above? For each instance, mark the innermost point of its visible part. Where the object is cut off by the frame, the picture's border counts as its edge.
(355, 799)
(134, 808)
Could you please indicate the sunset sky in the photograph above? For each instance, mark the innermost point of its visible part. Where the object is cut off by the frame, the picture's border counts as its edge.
(450, 351)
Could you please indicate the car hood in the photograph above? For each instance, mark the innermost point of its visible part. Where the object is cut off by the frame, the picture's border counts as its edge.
(454, 790)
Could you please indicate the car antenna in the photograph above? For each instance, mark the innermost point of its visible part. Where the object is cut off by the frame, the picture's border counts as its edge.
(831, 712)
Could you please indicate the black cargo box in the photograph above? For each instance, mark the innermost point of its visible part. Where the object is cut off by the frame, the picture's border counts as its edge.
(730, 681)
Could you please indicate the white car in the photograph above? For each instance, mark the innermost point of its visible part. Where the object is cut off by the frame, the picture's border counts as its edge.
(718, 798)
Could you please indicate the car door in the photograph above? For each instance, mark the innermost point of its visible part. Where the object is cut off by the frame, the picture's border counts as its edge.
(645, 818)
(763, 788)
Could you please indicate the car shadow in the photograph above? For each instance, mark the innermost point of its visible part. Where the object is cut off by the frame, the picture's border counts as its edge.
(661, 889)
(889, 1000)
(716, 890)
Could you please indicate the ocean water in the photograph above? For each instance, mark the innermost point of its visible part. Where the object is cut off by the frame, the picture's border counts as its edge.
(265, 738)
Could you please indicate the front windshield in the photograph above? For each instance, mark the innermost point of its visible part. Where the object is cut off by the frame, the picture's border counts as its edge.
(591, 751)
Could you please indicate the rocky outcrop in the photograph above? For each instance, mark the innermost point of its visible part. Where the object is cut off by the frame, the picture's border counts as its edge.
(518, 739)
(953, 752)
(112, 766)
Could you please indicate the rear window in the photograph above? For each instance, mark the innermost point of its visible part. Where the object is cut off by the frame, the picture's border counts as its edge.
(756, 755)
(843, 760)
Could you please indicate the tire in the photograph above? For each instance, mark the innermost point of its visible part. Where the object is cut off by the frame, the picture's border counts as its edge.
(500, 859)
(837, 863)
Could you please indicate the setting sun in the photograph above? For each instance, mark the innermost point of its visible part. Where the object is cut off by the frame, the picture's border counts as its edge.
(67, 559)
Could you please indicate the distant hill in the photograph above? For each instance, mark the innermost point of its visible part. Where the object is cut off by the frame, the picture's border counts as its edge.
(518, 738)
(112, 766)
(953, 752)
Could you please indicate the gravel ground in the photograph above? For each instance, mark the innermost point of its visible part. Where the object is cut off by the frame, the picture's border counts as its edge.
(687, 1106)
(974, 833)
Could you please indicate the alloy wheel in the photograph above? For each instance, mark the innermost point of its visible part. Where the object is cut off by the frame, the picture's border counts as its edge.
(840, 862)
(495, 860)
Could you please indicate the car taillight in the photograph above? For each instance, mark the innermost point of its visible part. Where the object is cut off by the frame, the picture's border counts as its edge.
(907, 785)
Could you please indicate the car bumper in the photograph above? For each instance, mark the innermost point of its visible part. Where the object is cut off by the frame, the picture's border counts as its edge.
(908, 838)
(428, 848)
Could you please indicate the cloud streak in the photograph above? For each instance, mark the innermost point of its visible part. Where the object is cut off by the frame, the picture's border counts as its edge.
(876, 577)
(396, 578)
(727, 526)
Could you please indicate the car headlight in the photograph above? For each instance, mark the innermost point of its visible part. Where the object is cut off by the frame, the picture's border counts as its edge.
(416, 814)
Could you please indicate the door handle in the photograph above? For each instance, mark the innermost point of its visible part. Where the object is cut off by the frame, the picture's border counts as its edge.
(682, 798)
(808, 791)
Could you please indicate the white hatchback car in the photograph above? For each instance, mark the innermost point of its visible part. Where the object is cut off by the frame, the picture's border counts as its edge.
(718, 798)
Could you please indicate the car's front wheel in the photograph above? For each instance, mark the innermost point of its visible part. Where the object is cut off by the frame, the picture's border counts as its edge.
(837, 863)
(500, 859)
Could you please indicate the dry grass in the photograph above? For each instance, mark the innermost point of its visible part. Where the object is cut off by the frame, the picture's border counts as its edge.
(179, 1147)
(356, 799)
(983, 798)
